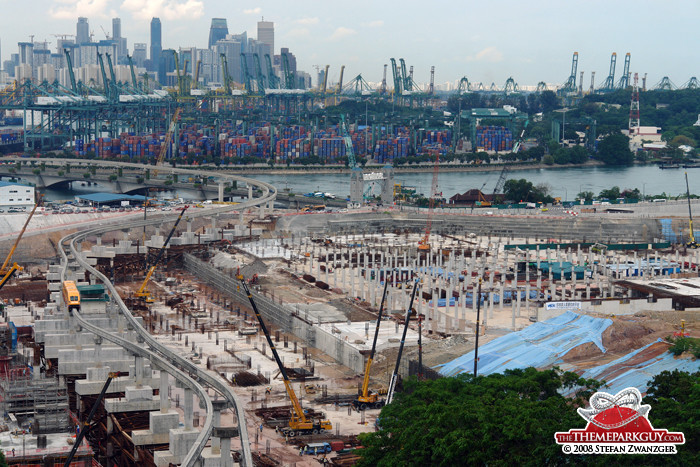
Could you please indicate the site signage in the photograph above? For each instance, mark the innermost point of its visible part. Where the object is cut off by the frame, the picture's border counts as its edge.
(563, 305)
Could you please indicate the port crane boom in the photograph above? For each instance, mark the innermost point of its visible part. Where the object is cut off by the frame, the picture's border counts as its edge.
(299, 424)
(367, 399)
(142, 292)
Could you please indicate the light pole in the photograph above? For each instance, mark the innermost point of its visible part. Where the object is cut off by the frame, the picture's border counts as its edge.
(478, 312)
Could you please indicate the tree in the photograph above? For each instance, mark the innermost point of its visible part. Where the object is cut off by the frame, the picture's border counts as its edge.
(612, 193)
(586, 196)
(500, 419)
(614, 150)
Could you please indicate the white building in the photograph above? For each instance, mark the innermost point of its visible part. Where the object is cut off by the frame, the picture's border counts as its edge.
(641, 135)
(14, 195)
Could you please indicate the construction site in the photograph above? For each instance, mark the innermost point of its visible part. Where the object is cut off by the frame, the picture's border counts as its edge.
(243, 335)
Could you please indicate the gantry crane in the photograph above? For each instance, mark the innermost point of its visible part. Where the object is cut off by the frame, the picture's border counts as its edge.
(224, 72)
(168, 138)
(259, 77)
(142, 292)
(7, 271)
(272, 79)
(370, 399)
(288, 73)
(134, 82)
(299, 423)
(246, 74)
(71, 74)
(691, 243)
(424, 244)
(407, 318)
(349, 150)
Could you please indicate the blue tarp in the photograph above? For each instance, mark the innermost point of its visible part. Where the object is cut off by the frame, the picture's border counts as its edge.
(639, 375)
(539, 345)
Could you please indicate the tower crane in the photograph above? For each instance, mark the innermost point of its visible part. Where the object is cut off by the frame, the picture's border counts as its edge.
(407, 318)
(691, 243)
(7, 271)
(424, 244)
(299, 423)
(142, 292)
(368, 399)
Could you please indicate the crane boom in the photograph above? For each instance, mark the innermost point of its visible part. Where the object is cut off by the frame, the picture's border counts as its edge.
(133, 74)
(105, 82)
(259, 77)
(424, 244)
(224, 72)
(71, 74)
(3, 269)
(349, 150)
(272, 80)
(692, 243)
(246, 74)
(340, 83)
(86, 427)
(195, 85)
(168, 138)
(365, 398)
(113, 77)
(10, 272)
(142, 290)
(395, 375)
(287, 384)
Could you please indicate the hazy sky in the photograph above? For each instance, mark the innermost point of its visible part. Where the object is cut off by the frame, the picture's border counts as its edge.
(485, 40)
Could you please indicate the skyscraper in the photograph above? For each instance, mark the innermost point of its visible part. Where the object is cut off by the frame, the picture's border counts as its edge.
(156, 44)
(140, 54)
(266, 34)
(218, 30)
(117, 36)
(82, 34)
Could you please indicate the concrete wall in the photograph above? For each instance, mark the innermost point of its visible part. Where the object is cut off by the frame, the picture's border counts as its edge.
(279, 315)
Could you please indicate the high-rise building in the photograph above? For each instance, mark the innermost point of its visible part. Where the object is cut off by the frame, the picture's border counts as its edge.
(166, 67)
(217, 31)
(156, 44)
(117, 36)
(140, 54)
(82, 34)
(266, 33)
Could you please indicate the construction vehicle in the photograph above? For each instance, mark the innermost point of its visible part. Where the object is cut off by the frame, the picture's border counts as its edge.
(7, 271)
(299, 423)
(142, 292)
(86, 424)
(395, 375)
(691, 243)
(370, 399)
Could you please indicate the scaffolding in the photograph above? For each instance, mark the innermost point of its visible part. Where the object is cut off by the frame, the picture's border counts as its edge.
(39, 401)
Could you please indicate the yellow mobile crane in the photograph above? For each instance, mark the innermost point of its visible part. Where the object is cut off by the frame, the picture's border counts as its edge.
(371, 399)
(691, 243)
(7, 271)
(300, 423)
(142, 292)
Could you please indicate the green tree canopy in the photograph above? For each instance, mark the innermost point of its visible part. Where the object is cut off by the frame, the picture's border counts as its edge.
(614, 150)
(500, 419)
(524, 191)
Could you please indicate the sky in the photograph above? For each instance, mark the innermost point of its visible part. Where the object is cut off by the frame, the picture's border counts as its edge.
(486, 41)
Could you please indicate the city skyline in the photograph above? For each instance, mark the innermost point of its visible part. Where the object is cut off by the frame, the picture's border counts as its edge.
(485, 41)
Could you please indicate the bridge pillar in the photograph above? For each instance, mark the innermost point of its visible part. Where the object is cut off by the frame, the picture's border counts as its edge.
(250, 191)
(221, 191)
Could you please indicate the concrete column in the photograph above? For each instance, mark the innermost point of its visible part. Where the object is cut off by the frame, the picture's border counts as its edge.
(188, 408)
(250, 191)
(138, 370)
(98, 352)
(164, 384)
(221, 191)
(219, 406)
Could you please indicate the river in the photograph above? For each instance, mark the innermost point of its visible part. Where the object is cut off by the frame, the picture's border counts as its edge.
(563, 182)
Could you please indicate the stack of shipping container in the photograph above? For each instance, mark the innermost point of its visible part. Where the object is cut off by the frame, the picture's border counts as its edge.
(493, 139)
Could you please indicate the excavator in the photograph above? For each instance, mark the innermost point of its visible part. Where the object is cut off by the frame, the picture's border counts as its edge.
(691, 243)
(7, 271)
(300, 423)
(142, 292)
(370, 399)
